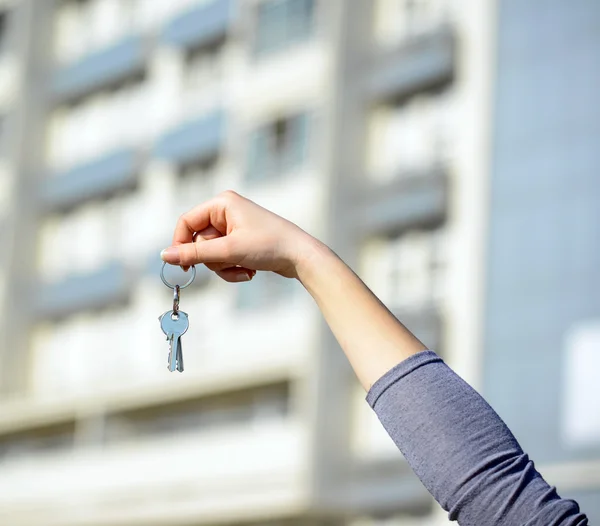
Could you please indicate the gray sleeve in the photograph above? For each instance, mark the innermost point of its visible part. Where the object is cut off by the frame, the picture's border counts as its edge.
(462, 450)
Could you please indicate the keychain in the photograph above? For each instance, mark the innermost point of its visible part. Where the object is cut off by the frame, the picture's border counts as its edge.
(174, 323)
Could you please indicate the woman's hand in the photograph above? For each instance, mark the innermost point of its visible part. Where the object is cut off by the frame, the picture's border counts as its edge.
(235, 237)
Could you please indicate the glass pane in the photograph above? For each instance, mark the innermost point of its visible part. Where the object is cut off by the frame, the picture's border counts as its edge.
(299, 20)
(266, 289)
(258, 156)
(281, 23)
(3, 31)
(271, 29)
(296, 149)
(251, 295)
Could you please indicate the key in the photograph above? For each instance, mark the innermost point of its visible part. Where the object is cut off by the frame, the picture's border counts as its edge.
(174, 325)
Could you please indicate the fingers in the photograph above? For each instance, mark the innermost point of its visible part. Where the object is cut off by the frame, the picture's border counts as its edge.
(210, 213)
(227, 272)
(205, 235)
(209, 232)
(195, 220)
(213, 251)
(236, 274)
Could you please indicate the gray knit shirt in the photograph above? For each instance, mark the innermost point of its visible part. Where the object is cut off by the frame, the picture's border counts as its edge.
(462, 450)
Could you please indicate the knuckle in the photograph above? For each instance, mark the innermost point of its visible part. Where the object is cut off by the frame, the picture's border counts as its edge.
(196, 253)
(181, 220)
(229, 195)
(184, 257)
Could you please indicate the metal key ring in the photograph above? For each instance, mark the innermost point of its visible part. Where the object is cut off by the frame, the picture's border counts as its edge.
(164, 280)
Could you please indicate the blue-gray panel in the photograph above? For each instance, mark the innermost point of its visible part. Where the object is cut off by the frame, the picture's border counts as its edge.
(404, 203)
(194, 140)
(415, 65)
(96, 179)
(104, 68)
(105, 287)
(543, 262)
(200, 25)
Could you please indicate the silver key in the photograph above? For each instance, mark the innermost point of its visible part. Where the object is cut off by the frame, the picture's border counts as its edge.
(174, 325)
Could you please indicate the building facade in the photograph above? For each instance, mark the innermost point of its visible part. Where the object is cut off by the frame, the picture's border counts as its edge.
(387, 128)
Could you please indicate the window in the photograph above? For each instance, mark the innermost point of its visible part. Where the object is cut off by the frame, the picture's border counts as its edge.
(416, 268)
(84, 26)
(3, 136)
(6, 190)
(111, 360)
(407, 271)
(283, 23)
(580, 428)
(279, 147)
(93, 235)
(89, 237)
(369, 439)
(411, 136)
(3, 31)
(421, 15)
(100, 123)
(203, 79)
(203, 65)
(265, 290)
(40, 442)
(396, 20)
(219, 412)
(197, 183)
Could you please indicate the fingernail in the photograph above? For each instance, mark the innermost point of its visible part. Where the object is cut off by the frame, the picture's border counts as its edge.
(241, 277)
(170, 255)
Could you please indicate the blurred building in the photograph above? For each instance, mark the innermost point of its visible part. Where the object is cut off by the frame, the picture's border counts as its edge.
(447, 150)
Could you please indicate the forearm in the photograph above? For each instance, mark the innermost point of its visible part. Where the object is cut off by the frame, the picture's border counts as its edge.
(371, 337)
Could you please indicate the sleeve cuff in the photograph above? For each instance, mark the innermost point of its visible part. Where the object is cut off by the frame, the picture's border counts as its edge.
(398, 372)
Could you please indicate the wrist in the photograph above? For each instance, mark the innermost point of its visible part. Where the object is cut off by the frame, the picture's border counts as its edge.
(313, 256)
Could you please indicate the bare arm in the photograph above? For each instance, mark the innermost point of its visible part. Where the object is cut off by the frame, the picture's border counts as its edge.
(372, 338)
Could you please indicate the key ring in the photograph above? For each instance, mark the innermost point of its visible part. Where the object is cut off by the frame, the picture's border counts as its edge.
(164, 280)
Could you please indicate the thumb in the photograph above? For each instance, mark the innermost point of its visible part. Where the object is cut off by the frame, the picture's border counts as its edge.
(210, 251)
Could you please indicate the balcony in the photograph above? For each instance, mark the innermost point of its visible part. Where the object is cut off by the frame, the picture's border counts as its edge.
(233, 451)
(230, 474)
(193, 141)
(97, 179)
(403, 203)
(200, 26)
(105, 68)
(417, 64)
(92, 291)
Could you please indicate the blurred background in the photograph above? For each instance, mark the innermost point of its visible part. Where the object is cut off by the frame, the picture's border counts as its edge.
(448, 150)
